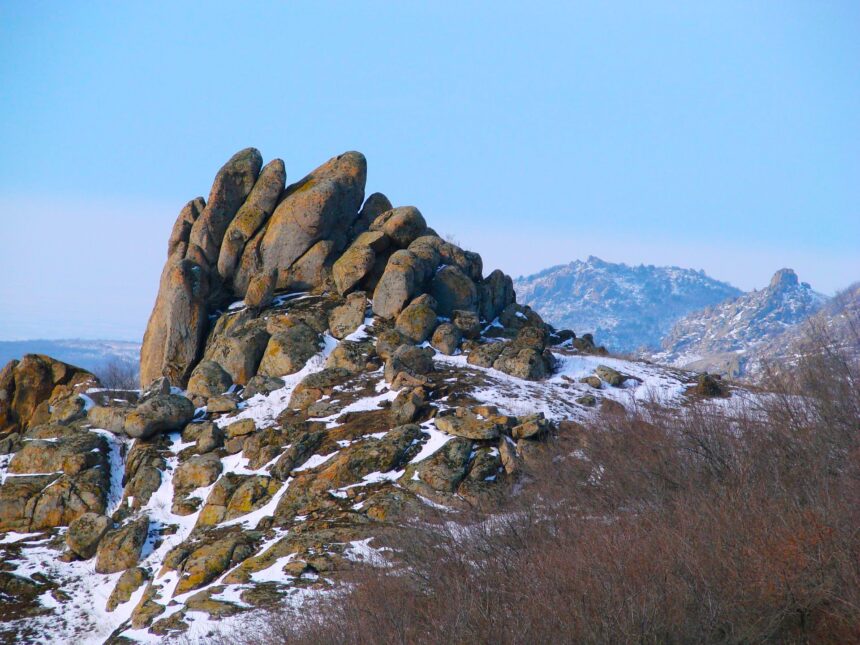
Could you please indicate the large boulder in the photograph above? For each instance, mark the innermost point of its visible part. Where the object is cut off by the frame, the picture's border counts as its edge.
(316, 207)
(120, 549)
(352, 267)
(208, 379)
(401, 281)
(231, 187)
(85, 533)
(251, 216)
(237, 344)
(403, 225)
(348, 317)
(418, 320)
(453, 290)
(289, 349)
(30, 387)
(162, 413)
(177, 326)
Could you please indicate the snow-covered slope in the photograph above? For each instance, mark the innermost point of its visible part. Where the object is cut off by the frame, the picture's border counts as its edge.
(626, 308)
(719, 338)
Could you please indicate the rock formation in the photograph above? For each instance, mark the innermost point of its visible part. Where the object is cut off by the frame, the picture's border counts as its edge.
(254, 238)
(317, 368)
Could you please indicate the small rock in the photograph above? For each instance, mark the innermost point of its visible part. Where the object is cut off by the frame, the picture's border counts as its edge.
(531, 427)
(611, 376)
(593, 381)
(241, 428)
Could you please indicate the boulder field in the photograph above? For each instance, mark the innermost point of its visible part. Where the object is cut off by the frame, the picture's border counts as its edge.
(318, 368)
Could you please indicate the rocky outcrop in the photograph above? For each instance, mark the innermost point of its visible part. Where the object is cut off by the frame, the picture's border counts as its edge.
(726, 337)
(31, 387)
(254, 238)
(322, 347)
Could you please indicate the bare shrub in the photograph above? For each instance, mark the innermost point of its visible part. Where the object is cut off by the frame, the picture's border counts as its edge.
(658, 526)
(118, 374)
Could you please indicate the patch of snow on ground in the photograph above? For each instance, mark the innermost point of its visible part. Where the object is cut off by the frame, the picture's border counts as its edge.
(265, 408)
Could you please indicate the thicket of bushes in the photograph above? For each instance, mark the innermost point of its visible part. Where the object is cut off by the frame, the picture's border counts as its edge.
(650, 527)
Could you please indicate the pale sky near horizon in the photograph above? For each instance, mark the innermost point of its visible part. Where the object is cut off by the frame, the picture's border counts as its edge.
(716, 135)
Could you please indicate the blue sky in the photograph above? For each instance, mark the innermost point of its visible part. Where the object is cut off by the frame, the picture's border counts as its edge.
(716, 135)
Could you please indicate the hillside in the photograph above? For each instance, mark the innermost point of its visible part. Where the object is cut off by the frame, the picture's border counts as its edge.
(835, 328)
(319, 370)
(720, 338)
(625, 308)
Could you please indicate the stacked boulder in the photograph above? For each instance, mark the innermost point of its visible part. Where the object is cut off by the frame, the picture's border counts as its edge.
(340, 294)
(254, 238)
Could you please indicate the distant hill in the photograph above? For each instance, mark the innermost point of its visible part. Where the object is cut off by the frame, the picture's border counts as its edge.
(722, 338)
(627, 308)
(91, 355)
(836, 328)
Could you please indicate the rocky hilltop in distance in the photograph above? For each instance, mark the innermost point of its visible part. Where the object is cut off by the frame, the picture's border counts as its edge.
(626, 308)
(720, 339)
(319, 369)
(834, 328)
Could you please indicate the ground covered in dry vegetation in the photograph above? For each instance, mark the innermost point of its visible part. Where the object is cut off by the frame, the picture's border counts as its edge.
(651, 526)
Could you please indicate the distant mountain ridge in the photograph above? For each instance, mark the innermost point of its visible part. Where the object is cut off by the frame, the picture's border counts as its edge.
(722, 338)
(627, 308)
(91, 355)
